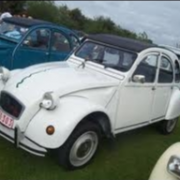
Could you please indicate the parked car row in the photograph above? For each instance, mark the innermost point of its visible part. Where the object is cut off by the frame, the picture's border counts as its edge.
(108, 85)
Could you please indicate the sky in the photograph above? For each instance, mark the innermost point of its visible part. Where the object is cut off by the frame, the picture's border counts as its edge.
(159, 19)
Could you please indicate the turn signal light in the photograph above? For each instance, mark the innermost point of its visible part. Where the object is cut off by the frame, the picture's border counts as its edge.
(50, 130)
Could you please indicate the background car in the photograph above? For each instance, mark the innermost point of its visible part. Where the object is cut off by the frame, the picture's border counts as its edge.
(174, 49)
(168, 165)
(24, 42)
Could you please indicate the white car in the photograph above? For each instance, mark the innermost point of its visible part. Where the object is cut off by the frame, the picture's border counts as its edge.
(109, 85)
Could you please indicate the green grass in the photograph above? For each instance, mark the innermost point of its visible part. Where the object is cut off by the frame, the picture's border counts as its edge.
(132, 156)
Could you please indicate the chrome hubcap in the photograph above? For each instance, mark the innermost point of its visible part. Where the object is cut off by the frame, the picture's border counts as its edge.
(83, 149)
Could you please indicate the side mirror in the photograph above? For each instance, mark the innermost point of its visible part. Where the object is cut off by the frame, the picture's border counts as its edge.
(138, 79)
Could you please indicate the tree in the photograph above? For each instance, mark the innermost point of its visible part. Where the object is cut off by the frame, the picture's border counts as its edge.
(78, 18)
(45, 10)
(15, 7)
(144, 37)
(74, 19)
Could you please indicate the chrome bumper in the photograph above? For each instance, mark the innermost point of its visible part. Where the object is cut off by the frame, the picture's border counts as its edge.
(16, 137)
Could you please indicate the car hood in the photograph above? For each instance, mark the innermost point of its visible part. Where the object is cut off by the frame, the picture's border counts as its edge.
(62, 78)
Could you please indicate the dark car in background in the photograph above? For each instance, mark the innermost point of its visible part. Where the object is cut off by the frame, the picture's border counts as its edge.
(25, 42)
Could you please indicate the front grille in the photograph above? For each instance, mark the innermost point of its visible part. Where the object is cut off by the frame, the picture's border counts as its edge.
(10, 105)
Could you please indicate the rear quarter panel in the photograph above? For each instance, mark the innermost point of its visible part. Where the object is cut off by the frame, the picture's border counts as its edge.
(173, 110)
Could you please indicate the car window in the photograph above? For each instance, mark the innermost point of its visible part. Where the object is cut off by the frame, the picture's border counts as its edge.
(38, 39)
(148, 68)
(177, 72)
(12, 31)
(75, 41)
(111, 57)
(60, 43)
(166, 71)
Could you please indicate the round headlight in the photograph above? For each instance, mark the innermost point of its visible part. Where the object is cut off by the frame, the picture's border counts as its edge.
(46, 103)
(50, 101)
(4, 74)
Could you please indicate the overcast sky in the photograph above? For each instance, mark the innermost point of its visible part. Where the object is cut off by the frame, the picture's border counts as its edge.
(159, 19)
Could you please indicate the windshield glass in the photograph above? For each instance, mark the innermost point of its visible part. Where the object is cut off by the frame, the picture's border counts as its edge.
(108, 56)
(12, 31)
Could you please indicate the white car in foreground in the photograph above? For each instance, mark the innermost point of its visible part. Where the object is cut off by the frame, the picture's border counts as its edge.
(109, 85)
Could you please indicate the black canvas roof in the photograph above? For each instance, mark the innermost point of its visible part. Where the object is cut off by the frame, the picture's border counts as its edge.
(122, 42)
(25, 21)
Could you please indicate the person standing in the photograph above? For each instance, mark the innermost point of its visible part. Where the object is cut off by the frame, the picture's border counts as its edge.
(5, 15)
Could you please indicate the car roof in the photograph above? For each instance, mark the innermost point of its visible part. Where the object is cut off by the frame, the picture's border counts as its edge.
(26, 22)
(122, 42)
(174, 49)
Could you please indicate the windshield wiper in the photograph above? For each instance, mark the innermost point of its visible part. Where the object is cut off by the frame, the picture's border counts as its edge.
(98, 61)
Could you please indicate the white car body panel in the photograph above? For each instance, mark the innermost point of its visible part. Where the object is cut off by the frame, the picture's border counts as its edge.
(76, 80)
(174, 105)
(85, 90)
(63, 121)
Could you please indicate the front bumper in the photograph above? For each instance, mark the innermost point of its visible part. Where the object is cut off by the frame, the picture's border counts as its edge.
(21, 141)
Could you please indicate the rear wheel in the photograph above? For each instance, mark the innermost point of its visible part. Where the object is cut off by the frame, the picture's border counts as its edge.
(168, 126)
(80, 147)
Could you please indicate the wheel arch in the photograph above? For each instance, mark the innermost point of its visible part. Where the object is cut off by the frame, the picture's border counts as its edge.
(174, 104)
(101, 119)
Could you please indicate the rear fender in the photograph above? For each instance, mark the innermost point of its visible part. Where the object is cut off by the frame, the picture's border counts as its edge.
(173, 110)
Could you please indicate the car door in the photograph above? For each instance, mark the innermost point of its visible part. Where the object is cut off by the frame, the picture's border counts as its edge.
(136, 99)
(163, 89)
(34, 49)
(60, 46)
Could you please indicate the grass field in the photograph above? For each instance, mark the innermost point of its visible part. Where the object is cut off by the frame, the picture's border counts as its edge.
(132, 156)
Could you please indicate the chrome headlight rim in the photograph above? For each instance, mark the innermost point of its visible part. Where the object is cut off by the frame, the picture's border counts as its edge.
(50, 101)
(4, 74)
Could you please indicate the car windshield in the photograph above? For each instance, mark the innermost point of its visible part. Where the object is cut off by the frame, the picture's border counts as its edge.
(108, 56)
(12, 31)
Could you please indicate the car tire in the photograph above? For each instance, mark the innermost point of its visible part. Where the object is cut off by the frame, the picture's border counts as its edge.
(80, 147)
(167, 126)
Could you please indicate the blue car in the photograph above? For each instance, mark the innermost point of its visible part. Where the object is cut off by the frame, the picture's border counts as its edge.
(25, 42)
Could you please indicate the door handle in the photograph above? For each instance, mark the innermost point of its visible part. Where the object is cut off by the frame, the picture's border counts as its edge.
(153, 88)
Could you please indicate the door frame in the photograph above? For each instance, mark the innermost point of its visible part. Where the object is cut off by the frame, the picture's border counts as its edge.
(25, 36)
(128, 83)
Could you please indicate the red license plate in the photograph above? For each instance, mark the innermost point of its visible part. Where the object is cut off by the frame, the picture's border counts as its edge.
(6, 120)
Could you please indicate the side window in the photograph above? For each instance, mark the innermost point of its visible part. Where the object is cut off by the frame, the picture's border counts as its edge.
(75, 42)
(38, 39)
(147, 68)
(166, 71)
(177, 72)
(60, 43)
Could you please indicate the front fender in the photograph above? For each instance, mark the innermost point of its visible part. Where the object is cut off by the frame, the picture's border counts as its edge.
(160, 170)
(173, 110)
(64, 118)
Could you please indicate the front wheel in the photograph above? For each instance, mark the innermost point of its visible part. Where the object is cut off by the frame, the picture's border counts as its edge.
(80, 147)
(168, 126)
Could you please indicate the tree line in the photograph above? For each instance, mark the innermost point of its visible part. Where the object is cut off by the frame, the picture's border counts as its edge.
(72, 18)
